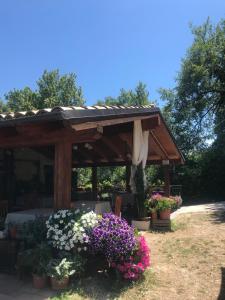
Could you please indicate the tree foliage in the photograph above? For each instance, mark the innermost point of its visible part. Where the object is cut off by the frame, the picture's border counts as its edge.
(140, 96)
(195, 111)
(52, 90)
(198, 99)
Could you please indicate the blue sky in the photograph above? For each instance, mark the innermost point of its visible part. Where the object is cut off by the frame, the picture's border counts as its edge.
(109, 44)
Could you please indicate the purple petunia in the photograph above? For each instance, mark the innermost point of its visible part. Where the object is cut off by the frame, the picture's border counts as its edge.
(113, 237)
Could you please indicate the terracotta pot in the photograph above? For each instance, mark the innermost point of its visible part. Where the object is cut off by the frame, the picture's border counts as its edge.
(165, 214)
(39, 282)
(59, 284)
(13, 233)
(154, 215)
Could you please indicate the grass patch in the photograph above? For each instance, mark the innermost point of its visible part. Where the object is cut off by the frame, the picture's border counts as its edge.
(178, 225)
(103, 288)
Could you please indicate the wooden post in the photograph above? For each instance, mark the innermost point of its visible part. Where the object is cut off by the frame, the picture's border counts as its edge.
(62, 175)
(94, 183)
(167, 180)
(128, 178)
(9, 177)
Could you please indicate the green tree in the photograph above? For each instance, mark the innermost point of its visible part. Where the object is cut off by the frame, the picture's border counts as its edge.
(3, 107)
(195, 111)
(140, 96)
(52, 90)
(198, 100)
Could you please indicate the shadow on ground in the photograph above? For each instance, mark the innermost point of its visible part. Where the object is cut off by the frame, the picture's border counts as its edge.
(222, 287)
(218, 217)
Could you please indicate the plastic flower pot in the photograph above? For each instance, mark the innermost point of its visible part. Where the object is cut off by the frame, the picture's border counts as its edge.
(39, 282)
(165, 214)
(59, 284)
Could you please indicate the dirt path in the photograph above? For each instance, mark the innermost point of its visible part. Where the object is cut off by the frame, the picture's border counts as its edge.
(211, 208)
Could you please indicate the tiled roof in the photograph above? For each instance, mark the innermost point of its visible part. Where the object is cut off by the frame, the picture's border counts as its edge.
(75, 109)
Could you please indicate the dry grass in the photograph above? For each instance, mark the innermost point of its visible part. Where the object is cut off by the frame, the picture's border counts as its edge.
(186, 264)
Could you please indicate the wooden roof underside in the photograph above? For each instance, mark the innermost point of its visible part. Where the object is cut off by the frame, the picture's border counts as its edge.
(99, 138)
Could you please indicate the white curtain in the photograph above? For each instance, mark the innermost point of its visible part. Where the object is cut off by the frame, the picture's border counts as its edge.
(140, 151)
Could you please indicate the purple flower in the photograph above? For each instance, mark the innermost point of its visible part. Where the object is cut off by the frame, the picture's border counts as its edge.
(113, 237)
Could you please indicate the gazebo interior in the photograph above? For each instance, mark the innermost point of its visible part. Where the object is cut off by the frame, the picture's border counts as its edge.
(42, 150)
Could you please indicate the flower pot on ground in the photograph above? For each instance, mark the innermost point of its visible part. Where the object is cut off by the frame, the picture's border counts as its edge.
(39, 281)
(165, 214)
(34, 261)
(164, 207)
(154, 215)
(59, 284)
(59, 271)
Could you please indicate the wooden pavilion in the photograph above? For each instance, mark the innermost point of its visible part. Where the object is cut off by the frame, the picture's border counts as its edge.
(88, 136)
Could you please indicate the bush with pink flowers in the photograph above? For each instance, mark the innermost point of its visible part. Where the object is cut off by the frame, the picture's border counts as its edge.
(135, 266)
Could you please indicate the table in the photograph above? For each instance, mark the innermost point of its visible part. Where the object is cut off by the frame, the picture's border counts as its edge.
(20, 217)
(99, 207)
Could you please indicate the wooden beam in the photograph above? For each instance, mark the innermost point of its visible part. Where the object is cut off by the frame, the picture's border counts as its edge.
(151, 123)
(49, 138)
(159, 144)
(8, 132)
(96, 124)
(62, 175)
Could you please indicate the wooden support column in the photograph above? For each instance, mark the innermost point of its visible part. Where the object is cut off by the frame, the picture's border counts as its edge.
(128, 178)
(94, 183)
(9, 177)
(167, 180)
(62, 175)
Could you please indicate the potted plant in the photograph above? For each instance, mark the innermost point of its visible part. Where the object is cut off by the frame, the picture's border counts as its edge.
(164, 207)
(41, 256)
(151, 205)
(142, 222)
(59, 271)
(34, 261)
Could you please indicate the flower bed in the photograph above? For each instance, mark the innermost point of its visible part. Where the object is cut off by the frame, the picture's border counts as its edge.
(75, 239)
